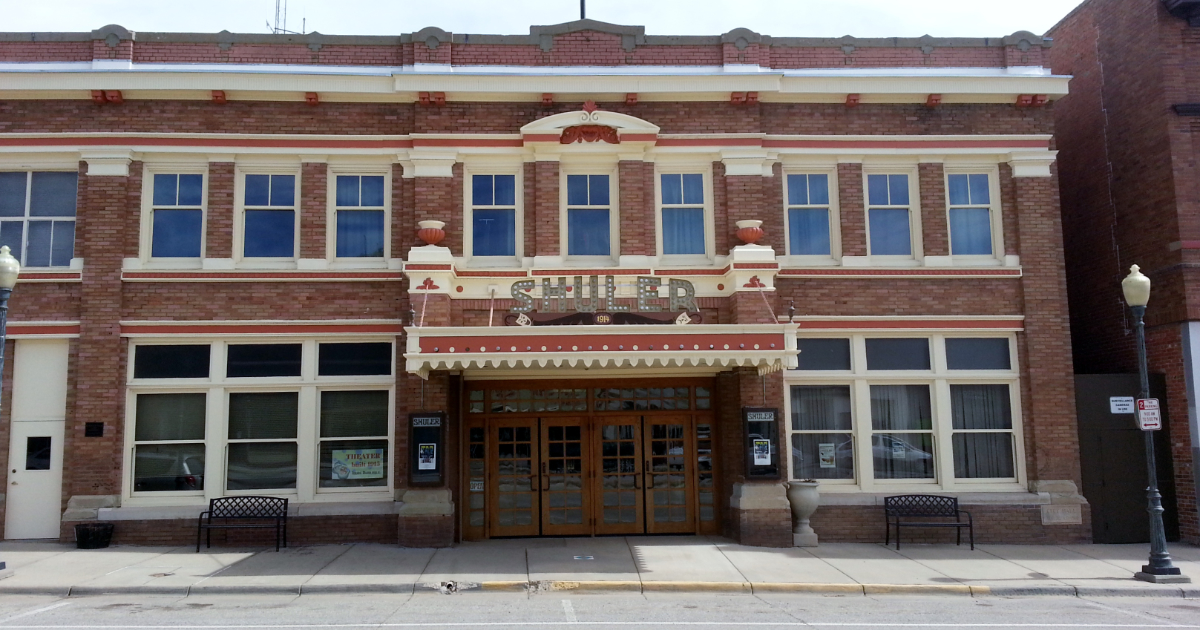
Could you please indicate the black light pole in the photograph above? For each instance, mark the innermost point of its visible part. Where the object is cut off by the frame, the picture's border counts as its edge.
(1136, 288)
(10, 268)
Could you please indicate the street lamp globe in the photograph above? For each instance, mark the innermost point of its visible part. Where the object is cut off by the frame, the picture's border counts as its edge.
(9, 269)
(1136, 287)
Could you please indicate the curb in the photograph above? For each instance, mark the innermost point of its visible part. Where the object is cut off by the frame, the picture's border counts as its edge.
(919, 589)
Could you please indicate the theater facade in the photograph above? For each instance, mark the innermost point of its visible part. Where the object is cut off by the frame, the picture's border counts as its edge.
(585, 281)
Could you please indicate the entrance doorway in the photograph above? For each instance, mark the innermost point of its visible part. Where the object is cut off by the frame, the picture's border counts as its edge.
(578, 459)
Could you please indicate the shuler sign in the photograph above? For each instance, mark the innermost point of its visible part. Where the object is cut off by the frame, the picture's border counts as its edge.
(592, 298)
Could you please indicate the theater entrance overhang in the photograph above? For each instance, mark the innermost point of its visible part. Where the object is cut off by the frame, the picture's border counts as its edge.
(703, 347)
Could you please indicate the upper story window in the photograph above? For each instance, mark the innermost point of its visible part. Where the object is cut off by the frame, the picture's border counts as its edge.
(683, 215)
(493, 215)
(889, 215)
(37, 216)
(360, 216)
(177, 215)
(970, 207)
(589, 215)
(808, 215)
(269, 228)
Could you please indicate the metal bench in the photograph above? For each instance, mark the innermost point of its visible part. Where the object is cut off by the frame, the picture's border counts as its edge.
(247, 512)
(924, 507)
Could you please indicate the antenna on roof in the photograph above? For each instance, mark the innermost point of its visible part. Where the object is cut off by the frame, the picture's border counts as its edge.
(583, 9)
(281, 27)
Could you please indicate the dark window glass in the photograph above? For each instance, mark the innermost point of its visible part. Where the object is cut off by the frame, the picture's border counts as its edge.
(171, 361)
(166, 190)
(824, 354)
(494, 232)
(12, 194)
(37, 453)
(354, 414)
(588, 233)
(12, 233)
(683, 230)
(360, 233)
(53, 195)
(255, 466)
(354, 359)
(977, 354)
(263, 360)
(270, 234)
(169, 417)
(267, 416)
(176, 234)
(897, 354)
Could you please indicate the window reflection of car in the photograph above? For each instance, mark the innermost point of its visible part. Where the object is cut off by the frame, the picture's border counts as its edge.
(158, 472)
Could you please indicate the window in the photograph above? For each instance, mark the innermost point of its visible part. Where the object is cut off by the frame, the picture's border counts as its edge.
(177, 215)
(808, 218)
(493, 215)
(970, 214)
(876, 412)
(295, 417)
(682, 207)
(270, 216)
(359, 216)
(889, 223)
(37, 217)
(589, 215)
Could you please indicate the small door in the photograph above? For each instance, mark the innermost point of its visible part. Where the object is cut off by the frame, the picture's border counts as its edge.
(668, 471)
(565, 506)
(35, 458)
(513, 503)
(618, 487)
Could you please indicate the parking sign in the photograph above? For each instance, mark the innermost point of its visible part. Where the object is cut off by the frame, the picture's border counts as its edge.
(1148, 416)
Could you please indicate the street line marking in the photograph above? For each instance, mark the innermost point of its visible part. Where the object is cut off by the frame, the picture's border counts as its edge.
(570, 611)
(34, 612)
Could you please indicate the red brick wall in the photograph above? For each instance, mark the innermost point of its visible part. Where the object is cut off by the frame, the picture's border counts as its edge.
(637, 206)
(440, 199)
(545, 211)
(853, 212)
(218, 241)
(312, 215)
(1008, 524)
(301, 530)
(934, 230)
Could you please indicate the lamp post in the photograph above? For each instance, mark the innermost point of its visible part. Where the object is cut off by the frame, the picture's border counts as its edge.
(9, 270)
(1136, 288)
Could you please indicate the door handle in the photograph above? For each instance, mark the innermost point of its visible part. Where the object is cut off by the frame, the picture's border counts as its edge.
(649, 477)
(545, 479)
(635, 482)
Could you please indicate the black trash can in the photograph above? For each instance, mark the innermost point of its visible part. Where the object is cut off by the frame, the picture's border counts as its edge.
(93, 535)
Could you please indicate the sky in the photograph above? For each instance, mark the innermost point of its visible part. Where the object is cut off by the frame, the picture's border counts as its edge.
(781, 18)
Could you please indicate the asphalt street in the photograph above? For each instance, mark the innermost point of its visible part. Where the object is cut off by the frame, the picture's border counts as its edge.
(618, 610)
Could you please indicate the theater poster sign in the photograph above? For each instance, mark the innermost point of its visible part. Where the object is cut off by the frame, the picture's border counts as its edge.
(359, 463)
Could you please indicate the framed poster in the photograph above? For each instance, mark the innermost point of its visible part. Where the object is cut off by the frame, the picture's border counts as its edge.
(426, 436)
(761, 428)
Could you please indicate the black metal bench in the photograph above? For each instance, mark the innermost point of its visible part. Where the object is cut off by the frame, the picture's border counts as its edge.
(248, 512)
(924, 507)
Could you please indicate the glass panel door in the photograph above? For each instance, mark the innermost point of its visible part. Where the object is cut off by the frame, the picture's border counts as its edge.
(618, 483)
(565, 509)
(669, 490)
(513, 501)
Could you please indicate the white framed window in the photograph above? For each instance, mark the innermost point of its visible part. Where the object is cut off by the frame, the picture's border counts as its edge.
(684, 221)
(361, 214)
(874, 412)
(811, 218)
(37, 216)
(246, 416)
(492, 207)
(893, 214)
(590, 215)
(973, 214)
(174, 203)
(268, 224)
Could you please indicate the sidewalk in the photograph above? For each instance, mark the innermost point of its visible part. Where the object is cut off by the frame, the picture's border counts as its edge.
(637, 564)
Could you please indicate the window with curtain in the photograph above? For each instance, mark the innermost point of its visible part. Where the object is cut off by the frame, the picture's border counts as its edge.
(493, 215)
(262, 441)
(888, 215)
(354, 444)
(682, 214)
(808, 215)
(822, 438)
(37, 216)
(269, 229)
(177, 217)
(902, 432)
(983, 438)
(360, 231)
(168, 451)
(970, 214)
(589, 212)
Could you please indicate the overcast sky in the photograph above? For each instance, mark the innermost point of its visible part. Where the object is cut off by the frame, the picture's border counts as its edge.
(795, 18)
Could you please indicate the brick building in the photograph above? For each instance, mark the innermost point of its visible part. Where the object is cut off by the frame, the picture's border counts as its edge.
(224, 290)
(1131, 194)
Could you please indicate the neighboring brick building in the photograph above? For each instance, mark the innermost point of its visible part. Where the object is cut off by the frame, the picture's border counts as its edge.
(246, 306)
(1131, 195)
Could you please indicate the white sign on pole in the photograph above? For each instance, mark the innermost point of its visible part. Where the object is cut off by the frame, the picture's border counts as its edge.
(1120, 404)
(1148, 416)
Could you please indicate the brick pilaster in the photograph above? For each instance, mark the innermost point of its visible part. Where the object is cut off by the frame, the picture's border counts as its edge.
(934, 226)
(637, 209)
(219, 222)
(853, 213)
(545, 211)
(440, 199)
(313, 204)
(404, 226)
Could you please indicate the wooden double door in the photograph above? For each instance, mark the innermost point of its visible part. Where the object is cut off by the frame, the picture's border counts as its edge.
(593, 475)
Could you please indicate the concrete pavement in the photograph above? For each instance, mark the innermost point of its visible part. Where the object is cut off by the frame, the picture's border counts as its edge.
(642, 564)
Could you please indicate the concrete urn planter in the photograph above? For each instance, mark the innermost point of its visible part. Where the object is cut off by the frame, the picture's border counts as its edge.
(804, 498)
(431, 231)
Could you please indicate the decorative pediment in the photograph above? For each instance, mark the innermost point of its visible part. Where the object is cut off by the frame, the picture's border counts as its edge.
(590, 125)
